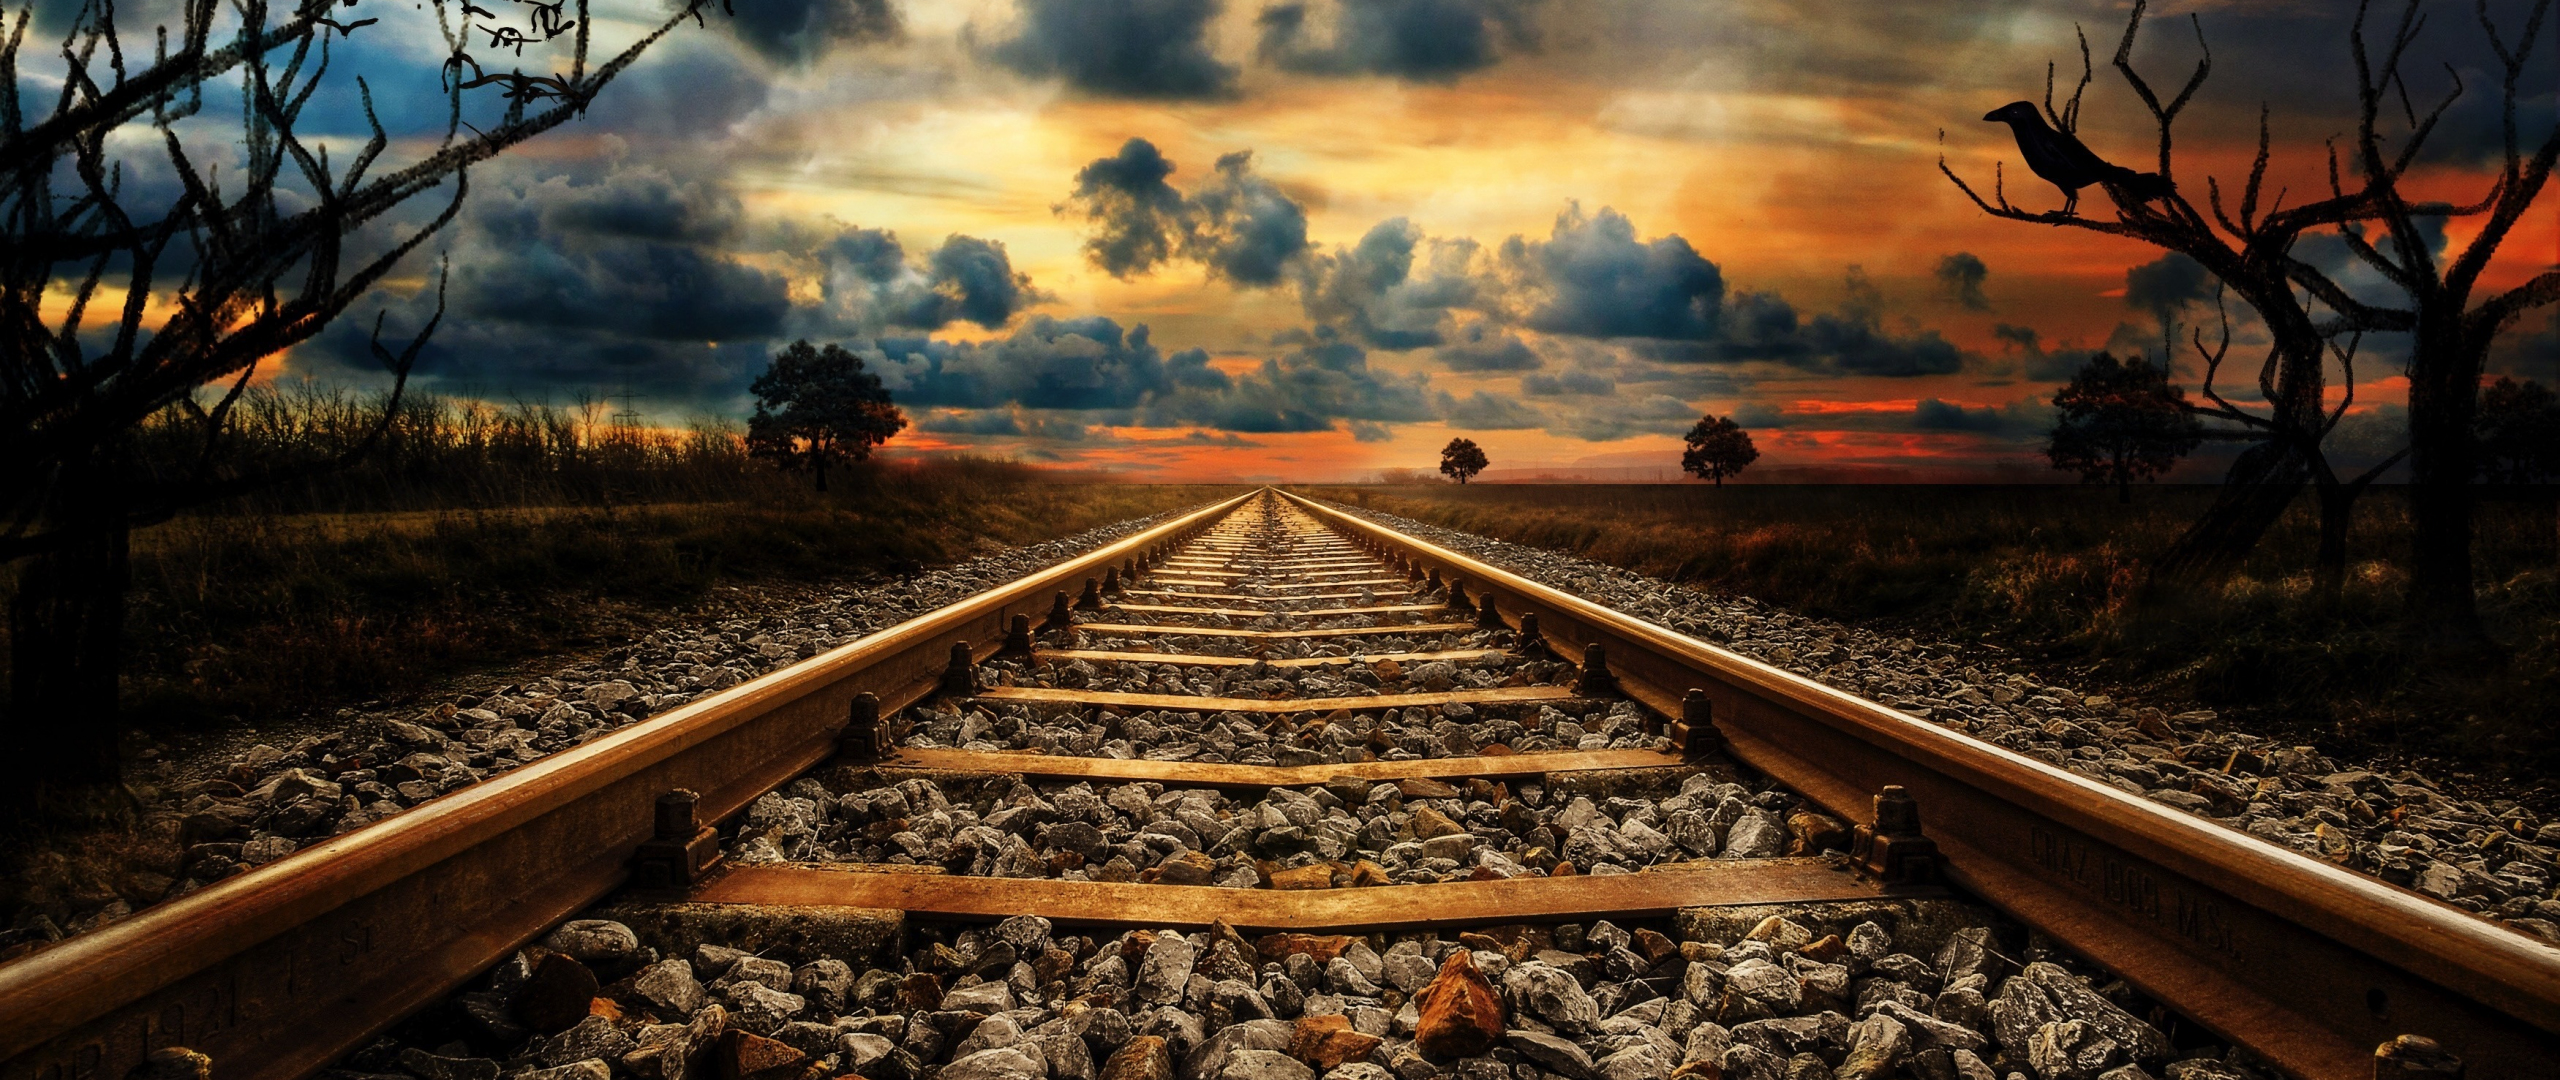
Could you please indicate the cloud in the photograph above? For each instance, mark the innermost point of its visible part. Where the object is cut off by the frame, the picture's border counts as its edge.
(2165, 286)
(1961, 275)
(1568, 384)
(1155, 49)
(1616, 418)
(614, 280)
(1368, 432)
(1480, 347)
(1238, 225)
(1138, 217)
(796, 32)
(868, 284)
(1372, 290)
(2017, 419)
(1591, 277)
(1853, 341)
(1325, 379)
(1016, 422)
(1415, 40)
(2058, 365)
(1048, 363)
(1485, 411)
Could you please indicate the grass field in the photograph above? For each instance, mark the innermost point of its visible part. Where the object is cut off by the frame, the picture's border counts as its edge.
(253, 614)
(2052, 572)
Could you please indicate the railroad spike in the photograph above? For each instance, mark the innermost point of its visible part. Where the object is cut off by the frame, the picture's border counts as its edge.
(1458, 594)
(682, 852)
(1111, 579)
(960, 678)
(2415, 1057)
(1129, 571)
(1432, 583)
(1059, 617)
(864, 738)
(1699, 736)
(1486, 617)
(1017, 636)
(1091, 600)
(1596, 680)
(1529, 643)
(1893, 848)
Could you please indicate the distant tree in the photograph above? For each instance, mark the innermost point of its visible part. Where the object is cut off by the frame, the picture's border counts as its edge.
(2121, 421)
(1718, 448)
(1463, 459)
(816, 408)
(2519, 433)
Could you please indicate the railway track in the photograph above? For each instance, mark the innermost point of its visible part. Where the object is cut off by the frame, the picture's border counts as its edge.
(1362, 774)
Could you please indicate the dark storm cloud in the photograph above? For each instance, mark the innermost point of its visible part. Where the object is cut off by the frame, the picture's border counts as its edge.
(1479, 347)
(1592, 278)
(1851, 341)
(1368, 432)
(1416, 40)
(1568, 384)
(1049, 363)
(1373, 290)
(2039, 365)
(1244, 228)
(1008, 422)
(796, 32)
(1961, 275)
(1323, 380)
(687, 90)
(1120, 48)
(2018, 419)
(1136, 214)
(868, 284)
(623, 279)
(1237, 225)
(2166, 285)
(1483, 411)
(1617, 418)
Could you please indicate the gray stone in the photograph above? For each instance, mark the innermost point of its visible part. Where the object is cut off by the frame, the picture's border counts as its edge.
(670, 985)
(1552, 994)
(1001, 1063)
(1551, 1053)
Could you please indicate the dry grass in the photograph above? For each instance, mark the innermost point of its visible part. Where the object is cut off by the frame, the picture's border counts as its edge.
(2053, 572)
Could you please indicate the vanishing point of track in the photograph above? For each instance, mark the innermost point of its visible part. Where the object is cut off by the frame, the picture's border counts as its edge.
(281, 970)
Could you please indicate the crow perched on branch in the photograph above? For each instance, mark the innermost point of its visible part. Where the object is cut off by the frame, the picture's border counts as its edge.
(2059, 157)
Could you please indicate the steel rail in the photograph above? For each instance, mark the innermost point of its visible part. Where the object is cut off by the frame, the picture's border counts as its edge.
(276, 972)
(2306, 963)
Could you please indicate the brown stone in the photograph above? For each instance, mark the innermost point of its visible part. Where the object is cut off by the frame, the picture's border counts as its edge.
(1699, 1070)
(556, 996)
(1495, 750)
(1564, 868)
(1826, 948)
(1143, 1057)
(1461, 1014)
(1318, 876)
(1815, 833)
(1429, 823)
(1281, 946)
(1419, 787)
(1387, 670)
(605, 1007)
(1655, 946)
(1480, 789)
(1365, 874)
(745, 1055)
(1188, 868)
(1053, 965)
(1327, 1041)
(1220, 930)
(920, 992)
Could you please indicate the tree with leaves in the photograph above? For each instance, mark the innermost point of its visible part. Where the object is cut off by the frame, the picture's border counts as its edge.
(817, 408)
(2121, 421)
(1718, 448)
(2519, 433)
(121, 302)
(1462, 459)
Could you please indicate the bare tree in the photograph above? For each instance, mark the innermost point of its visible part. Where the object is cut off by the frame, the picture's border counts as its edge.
(2450, 333)
(2252, 255)
(237, 266)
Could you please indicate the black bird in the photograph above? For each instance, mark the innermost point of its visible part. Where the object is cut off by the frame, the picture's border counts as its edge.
(2059, 157)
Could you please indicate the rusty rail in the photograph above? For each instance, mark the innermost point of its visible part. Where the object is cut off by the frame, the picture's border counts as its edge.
(278, 971)
(2303, 962)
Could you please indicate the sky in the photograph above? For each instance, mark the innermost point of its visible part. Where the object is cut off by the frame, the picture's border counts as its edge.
(1254, 240)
